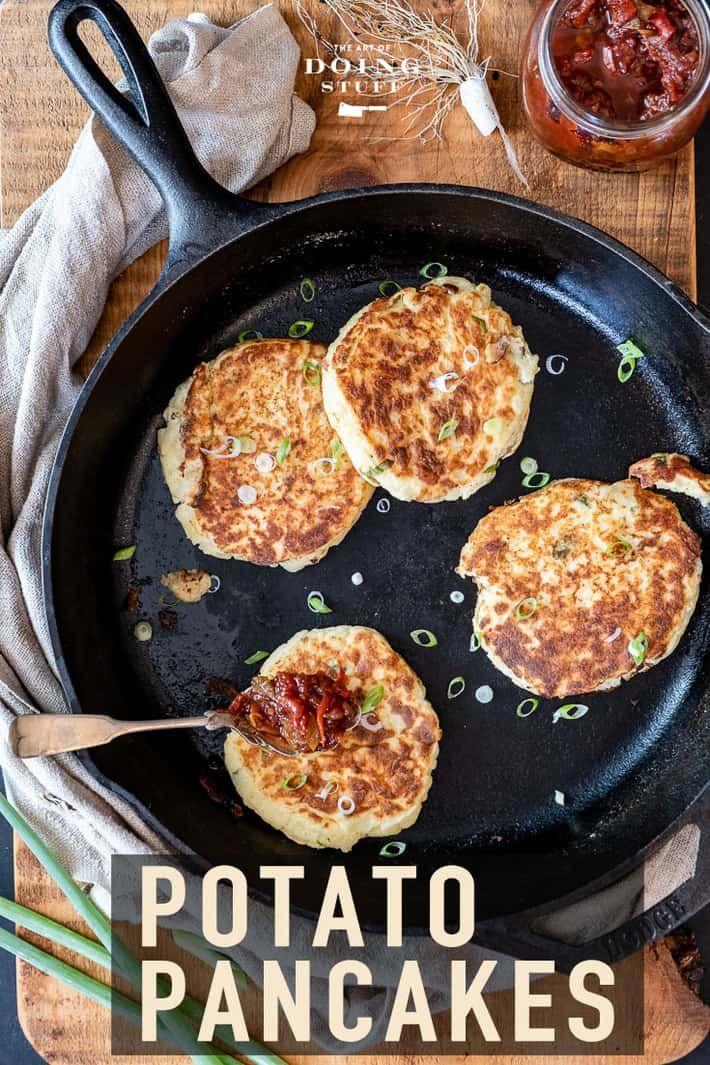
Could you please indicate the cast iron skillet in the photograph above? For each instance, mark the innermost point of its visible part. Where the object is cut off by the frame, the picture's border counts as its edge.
(629, 770)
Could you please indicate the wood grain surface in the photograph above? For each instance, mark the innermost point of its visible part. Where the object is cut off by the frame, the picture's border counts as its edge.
(40, 118)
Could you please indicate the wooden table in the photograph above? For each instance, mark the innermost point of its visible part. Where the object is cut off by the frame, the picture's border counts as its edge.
(41, 117)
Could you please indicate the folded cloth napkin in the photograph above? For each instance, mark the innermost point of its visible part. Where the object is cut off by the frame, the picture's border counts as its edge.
(234, 91)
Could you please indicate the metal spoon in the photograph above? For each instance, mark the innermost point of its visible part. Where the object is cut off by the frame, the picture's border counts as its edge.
(38, 734)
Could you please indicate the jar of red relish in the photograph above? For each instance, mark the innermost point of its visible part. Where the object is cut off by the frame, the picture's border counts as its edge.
(617, 84)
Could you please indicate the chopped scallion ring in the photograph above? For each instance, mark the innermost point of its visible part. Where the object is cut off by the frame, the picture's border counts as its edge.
(372, 699)
(282, 451)
(124, 553)
(532, 703)
(493, 468)
(215, 584)
(167, 600)
(307, 290)
(629, 350)
(456, 687)
(346, 805)
(383, 506)
(493, 425)
(374, 472)
(301, 328)
(570, 712)
(389, 288)
(393, 849)
(143, 631)
(526, 608)
(529, 465)
(370, 722)
(626, 370)
(327, 789)
(536, 480)
(317, 604)
(551, 364)
(247, 445)
(559, 797)
(428, 270)
(424, 637)
(638, 648)
(448, 428)
(258, 656)
(311, 372)
(619, 549)
(475, 642)
(481, 322)
(336, 452)
(250, 334)
(294, 783)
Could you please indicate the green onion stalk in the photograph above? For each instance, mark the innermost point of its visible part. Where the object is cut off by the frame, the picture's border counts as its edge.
(176, 1026)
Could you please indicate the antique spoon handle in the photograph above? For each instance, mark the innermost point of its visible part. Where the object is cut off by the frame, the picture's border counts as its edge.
(36, 734)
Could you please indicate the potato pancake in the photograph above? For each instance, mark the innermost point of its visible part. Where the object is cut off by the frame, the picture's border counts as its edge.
(429, 389)
(252, 462)
(375, 781)
(675, 473)
(582, 584)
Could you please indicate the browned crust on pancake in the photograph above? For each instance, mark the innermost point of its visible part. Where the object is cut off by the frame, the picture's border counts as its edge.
(386, 773)
(674, 472)
(384, 365)
(258, 389)
(550, 545)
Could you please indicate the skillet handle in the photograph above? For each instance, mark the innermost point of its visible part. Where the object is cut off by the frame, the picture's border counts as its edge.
(522, 940)
(201, 213)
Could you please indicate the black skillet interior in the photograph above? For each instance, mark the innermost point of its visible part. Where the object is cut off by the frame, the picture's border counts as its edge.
(627, 769)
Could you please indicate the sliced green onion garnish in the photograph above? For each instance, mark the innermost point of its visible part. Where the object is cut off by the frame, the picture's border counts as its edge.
(301, 328)
(247, 445)
(521, 710)
(374, 472)
(493, 468)
(638, 648)
(327, 789)
(432, 270)
(456, 687)
(258, 656)
(536, 480)
(492, 425)
(388, 288)
(448, 428)
(475, 642)
(124, 553)
(250, 334)
(570, 712)
(165, 599)
(424, 637)
(336, 452)
(619, 549)
(481, 321)
(282, 451)
(629, 350)
(372, 699)
(294, 783)
(317, 603)
(626, 370)
(311, 372)
(143, 631)
(526, 608)
(307, 290)
(584, 500)
(393, 849)
(529, 465)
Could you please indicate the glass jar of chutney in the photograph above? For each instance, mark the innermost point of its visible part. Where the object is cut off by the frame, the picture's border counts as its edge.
(617, 85)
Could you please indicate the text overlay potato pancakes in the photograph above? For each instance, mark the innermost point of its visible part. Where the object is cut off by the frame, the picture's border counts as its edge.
(375, 781)
(582, 584)
(252, 462)
(429, 389)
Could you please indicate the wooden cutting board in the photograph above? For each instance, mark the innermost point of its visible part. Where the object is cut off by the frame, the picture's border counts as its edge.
(41, 116)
